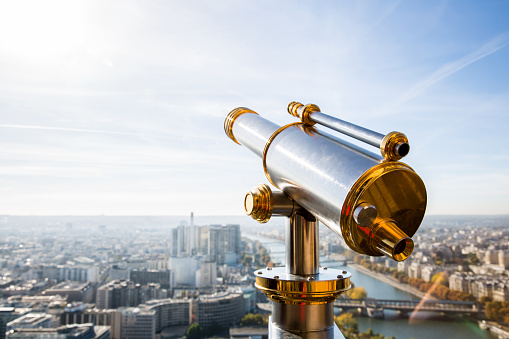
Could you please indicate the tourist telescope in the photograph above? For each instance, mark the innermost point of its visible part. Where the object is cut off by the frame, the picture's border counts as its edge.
(374, 202)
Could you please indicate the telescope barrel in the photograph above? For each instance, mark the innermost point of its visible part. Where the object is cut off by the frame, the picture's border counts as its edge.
(354, 131)
(393, 146)
(375, 205)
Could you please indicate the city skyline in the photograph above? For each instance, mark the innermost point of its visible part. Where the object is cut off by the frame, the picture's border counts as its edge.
(118, 108)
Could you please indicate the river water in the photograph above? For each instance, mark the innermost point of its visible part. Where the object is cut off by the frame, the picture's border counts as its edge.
(423, 325)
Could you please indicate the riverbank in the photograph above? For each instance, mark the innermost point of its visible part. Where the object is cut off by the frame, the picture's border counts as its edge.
(391, 281)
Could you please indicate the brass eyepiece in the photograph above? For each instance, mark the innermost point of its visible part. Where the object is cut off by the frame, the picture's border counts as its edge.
(391, 241)
(230, 119)
(394, 146)
(259, 203)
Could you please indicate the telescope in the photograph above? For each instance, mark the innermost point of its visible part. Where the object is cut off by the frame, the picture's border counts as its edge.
(373, 201)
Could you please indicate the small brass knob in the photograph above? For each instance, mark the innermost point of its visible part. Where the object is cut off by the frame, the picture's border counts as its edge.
(259, 203)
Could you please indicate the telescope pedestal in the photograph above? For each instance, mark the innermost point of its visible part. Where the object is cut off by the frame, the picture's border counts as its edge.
(302, 293)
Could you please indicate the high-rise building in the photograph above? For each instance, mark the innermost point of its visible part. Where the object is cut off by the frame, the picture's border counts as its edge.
(216, 248)
(207, 274)
(192, 239)
(224, 244)
(184, 269)
(178, 241)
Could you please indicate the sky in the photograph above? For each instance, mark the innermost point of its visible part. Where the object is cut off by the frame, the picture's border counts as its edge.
(117, 107)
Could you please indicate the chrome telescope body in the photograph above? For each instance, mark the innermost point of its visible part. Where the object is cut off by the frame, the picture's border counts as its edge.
(374, 202)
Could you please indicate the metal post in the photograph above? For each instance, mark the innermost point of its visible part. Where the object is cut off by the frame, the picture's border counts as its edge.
(301, 244)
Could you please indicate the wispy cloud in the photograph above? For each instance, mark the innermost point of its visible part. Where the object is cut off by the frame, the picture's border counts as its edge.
(449, 69)
(98, 131)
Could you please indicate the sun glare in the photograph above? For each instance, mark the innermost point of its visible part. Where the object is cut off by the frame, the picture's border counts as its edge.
(41, 29)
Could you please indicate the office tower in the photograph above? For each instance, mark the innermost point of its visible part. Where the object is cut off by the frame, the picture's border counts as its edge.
(192, 239)
(178, 241)
(206, 275)
(184, 269)
(224, 244)
(216, 248)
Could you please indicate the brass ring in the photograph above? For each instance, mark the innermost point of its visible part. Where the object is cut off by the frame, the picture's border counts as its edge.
(389, 143)
(230, 119)
(266, 148)
(308, 109)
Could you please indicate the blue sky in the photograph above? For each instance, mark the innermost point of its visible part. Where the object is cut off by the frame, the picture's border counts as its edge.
(117, 107)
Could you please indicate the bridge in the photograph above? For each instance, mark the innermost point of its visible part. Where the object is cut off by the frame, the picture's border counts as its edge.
(375, 307)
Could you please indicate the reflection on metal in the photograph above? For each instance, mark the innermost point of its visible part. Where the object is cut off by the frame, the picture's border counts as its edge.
(261, 203)
(330, 178)
(393, 146)
(375, 203)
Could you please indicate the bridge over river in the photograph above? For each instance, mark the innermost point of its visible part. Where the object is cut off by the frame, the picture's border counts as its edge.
(375, 307)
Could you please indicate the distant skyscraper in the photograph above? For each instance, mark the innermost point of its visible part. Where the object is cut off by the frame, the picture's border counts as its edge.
(178, 241)
(224, 244)
(184, 269)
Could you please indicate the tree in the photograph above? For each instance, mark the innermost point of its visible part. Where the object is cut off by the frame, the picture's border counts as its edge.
(440, 278)
(252, 319)
(247, 260)
(357, 293)
(346, 321)
(195, 331)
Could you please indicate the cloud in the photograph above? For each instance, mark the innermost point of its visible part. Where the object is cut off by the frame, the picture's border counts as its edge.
(449, 69)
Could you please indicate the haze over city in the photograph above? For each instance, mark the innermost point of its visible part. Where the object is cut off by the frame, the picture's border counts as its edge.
(117, 108)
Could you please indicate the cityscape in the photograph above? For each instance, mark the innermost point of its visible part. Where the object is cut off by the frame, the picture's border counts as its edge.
(142, 277)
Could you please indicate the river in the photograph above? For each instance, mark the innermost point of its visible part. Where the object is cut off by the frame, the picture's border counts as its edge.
(423, 325)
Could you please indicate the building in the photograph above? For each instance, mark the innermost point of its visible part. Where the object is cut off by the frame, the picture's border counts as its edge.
(491, 257)
(503, 259)
(121, 293)
(30, 320)
(74, 290)
(184, 270)
(501, 292)
(144, 277)
(414, 270)
(223, 309)
(8, 314)
(138, 323)
(84, 331)
(119, 273)
(224, 244)
(427, 272)
(207, 274)
(170, 312)
(110, 318)
(178, 241)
